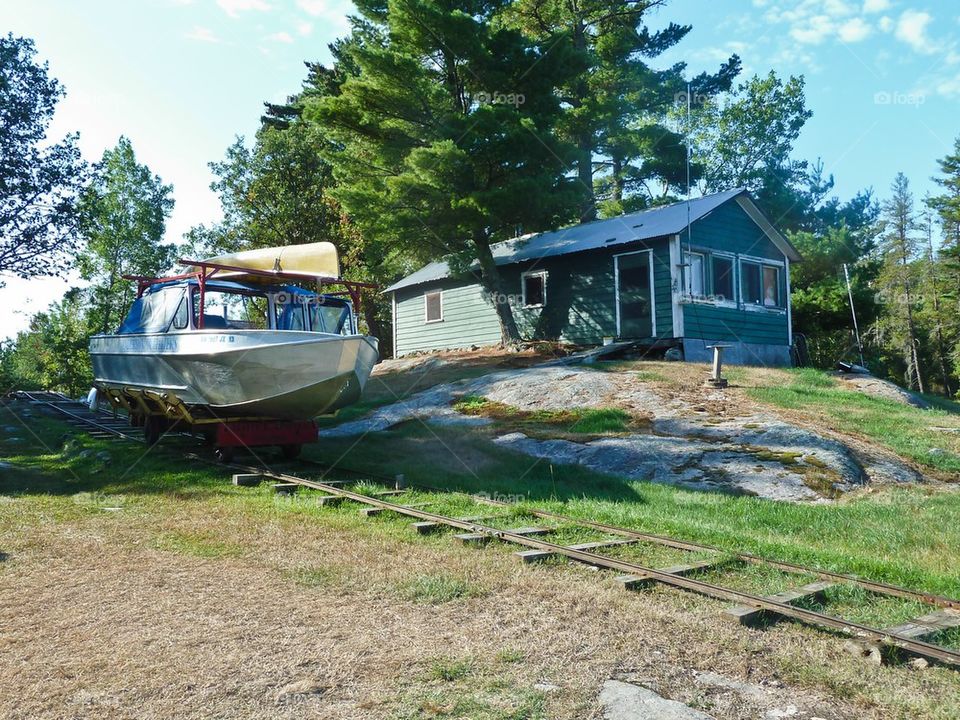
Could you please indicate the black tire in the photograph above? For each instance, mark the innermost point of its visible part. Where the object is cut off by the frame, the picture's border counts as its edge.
(153, 428)
(223, 454)
(291, 452)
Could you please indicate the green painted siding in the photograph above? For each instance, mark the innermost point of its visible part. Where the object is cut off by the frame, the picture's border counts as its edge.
(730, 229)
(581, 305)
(468, 319)
(709, 322)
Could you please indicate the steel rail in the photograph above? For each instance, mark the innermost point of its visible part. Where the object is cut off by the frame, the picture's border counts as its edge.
(880, 588)
(88, 421)
(811, 617)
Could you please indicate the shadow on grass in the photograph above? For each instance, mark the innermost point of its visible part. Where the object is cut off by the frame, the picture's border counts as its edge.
(59, 460)
(465, 460)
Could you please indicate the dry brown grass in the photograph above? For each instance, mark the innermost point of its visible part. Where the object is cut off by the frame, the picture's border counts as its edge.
(306, 616)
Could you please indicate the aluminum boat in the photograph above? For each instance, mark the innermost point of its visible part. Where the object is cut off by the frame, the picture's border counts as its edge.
(235, 338)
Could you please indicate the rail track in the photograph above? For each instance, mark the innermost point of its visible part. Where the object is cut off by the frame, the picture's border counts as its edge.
(912, 637)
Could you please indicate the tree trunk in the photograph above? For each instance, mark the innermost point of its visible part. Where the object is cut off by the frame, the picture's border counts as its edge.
(617, 175)
(584, 138)
(913, 357)
(492, 283)
(588, 211)
(373, 325)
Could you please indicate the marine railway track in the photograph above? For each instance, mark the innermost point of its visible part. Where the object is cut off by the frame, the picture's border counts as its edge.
(912, 638)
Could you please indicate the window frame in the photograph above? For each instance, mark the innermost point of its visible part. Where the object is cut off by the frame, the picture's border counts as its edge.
(543, 274)
(762, 264)
(688, 275)
(734, 299)
(426, 307)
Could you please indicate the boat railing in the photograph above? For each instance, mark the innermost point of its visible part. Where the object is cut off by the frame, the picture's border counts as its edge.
(209, 270)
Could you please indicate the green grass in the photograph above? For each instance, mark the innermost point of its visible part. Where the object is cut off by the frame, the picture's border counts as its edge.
(197, 545)
(906, 535)
(584, 421)
(904, 429)
(448, 670)
(438, 588)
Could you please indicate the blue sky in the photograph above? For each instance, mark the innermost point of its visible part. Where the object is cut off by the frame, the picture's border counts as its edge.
(182, 78)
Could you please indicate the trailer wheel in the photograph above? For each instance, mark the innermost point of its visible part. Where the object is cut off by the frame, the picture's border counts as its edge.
(223, 454)
(152, 429)
(291, 452)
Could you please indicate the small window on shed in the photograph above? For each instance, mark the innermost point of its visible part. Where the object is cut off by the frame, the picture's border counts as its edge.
(433, 306)
(534, 287)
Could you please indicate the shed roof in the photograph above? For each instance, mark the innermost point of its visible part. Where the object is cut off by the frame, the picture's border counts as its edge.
(644, 225)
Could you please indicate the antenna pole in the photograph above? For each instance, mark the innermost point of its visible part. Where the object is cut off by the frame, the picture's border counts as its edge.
(686, 266)
(853, 311)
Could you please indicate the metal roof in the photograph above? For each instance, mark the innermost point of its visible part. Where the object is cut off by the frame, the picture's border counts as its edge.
(643, 225)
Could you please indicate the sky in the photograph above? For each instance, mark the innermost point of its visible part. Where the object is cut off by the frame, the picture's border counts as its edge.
(183, 78)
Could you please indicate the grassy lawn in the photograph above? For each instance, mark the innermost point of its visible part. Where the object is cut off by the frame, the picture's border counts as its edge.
(908, 431)
(908, 536)
(56, 499)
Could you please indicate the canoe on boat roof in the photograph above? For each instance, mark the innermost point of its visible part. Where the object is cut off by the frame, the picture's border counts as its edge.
(313, 260)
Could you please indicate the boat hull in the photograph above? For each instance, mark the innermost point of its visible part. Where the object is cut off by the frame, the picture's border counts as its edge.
(240, 373)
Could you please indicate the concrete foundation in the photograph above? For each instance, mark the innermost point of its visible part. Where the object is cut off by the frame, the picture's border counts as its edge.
(738, 353)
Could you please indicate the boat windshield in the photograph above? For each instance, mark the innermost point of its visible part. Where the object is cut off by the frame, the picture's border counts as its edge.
(231, 310)
(330, 316)
(153, 312)
(319, 313)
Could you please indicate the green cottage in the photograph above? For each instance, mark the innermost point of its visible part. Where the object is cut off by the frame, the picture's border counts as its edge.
(686, 275)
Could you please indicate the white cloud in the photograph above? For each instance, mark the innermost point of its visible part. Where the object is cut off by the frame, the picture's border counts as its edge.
(853, 30)
(813, 31)
(234, 7)
(202, 34)
(304, 28)
(333, 13)
(281, 37)
(875, 6)
(885, 24)
(912, 29)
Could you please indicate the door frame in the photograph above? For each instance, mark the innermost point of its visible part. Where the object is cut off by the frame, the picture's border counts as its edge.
(653, 292)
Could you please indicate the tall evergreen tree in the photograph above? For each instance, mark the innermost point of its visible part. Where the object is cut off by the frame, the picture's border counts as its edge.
(124, 212)
(616, 103)
(899, 247)
(445, 134)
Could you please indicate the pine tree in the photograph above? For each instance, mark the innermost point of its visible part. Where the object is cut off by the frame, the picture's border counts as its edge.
(616, 104)
(898, 248)
(444, 135)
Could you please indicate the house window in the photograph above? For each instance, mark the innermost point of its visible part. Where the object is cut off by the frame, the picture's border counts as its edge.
(433, 306)
(760, 284)
(693, 265)
(534, 288)
(723, 279)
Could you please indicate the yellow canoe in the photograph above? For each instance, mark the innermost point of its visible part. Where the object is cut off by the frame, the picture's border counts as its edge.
(312, 261)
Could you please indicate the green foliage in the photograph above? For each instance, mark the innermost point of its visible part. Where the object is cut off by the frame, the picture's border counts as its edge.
(745, 140)
(616, 104)
(52, 353)
(124, 215)
(39, 179)
(435, 152)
